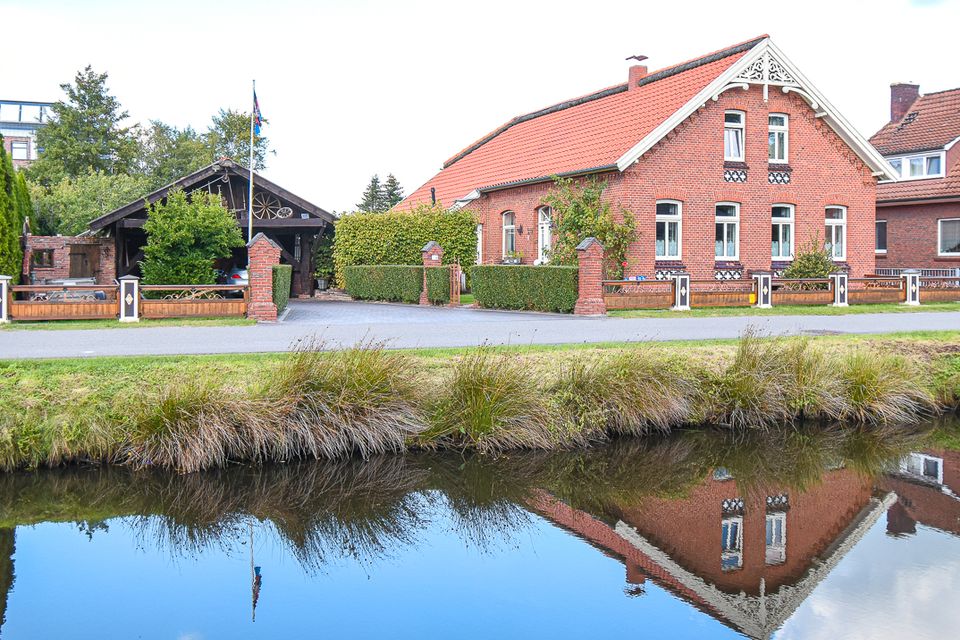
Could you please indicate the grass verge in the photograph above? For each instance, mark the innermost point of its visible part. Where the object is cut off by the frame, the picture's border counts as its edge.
(786, 310)
(53, 325)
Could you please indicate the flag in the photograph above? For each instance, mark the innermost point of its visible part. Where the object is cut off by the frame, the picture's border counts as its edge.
(257, 116)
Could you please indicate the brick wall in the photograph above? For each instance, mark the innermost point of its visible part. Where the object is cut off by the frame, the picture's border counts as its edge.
(912, 236)
(31, 149)
(105, 270)
(263, 254)
(688, 166)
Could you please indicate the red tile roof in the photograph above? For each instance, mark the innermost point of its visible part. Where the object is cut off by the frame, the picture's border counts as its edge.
(932, 122)
(925, 189)
(579, 135)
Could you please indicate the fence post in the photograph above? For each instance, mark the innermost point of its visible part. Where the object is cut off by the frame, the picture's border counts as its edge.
(911, 285)
(262, 254)
(840, 284)
(432, 254)
(5, 299)
(764, 280)
(129, 299)
(590, 300)
(455, 284)
(681, 291)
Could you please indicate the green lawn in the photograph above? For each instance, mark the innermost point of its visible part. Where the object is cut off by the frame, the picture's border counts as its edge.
(467, 298)
(116, 324)
(786, 310)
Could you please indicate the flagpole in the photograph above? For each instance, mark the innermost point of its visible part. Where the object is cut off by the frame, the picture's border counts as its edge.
(253, 109)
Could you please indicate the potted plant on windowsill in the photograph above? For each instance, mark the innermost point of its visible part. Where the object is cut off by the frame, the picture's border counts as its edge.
(513, 257)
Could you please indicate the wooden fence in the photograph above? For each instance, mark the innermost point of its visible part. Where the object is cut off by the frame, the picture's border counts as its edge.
(161, 301)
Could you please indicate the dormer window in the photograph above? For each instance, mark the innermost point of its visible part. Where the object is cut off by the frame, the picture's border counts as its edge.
(778, 137)
(733, 124)
(916, 167)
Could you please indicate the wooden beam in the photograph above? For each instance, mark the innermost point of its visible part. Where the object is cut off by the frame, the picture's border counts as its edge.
(273, 223)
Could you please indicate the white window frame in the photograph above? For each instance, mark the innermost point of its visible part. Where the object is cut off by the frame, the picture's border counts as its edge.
(904, 160)
(479, 243)
(775, 552)
(920, 459)
(19, 144)
(726, 220)
(784, 222)
(742, 128)
(734, 550)
(940, 252)
(512, 227)
(544, 234)
(886, 228)
(667, 220)
(836, 222)
(785, 130)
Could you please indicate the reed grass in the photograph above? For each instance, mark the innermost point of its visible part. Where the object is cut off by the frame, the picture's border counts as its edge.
(884, 389)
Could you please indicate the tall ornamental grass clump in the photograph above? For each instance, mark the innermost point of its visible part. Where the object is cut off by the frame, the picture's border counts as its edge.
(883, 389)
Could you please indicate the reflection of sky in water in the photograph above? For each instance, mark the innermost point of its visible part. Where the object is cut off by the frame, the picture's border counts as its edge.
(537, 582)
(886, 587)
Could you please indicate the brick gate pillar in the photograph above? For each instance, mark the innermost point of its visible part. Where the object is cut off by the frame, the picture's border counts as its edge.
(590, 279)
(432, 254)
(262, 254)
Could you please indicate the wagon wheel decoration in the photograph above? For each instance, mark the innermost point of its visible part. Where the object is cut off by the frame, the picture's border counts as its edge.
(265, 206)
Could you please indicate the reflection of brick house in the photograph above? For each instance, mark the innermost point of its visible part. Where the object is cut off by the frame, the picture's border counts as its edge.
(928, 488)
(747, 561)
(714, 156)
(19, 122)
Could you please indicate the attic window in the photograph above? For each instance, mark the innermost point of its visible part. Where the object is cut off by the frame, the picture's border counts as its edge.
(915, 167)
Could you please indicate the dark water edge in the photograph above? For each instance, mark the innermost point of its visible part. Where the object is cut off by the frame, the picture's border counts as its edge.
(800, 533)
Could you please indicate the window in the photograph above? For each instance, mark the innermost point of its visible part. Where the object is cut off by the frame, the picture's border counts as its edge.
(728, 230)
(544, 234)
(777, 137)
(926, 165)
(776, 552)
(19, 150)
(479, 244)
(42, 258)
(781, 237)
(923, 466)
(881, 246)
(948, 234)
(668, 229)
(733, 136)
(509, 234)
(836, 232)
(731, 543)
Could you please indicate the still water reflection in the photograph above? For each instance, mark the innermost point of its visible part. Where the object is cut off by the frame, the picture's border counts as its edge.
(802, 535)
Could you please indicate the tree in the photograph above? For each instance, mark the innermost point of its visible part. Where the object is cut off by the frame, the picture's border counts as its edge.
(167, 153)
(84, 133)
(812, 261)
(392, 192)
(580, 212)
(68, 206)
(229, 136)
(372, 200)
(185, 235)
(11, 224)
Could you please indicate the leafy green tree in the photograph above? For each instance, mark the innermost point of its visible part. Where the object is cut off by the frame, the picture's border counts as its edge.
(84, 133)
(229, 136)
(372, 199)
(11, 255)
(580, 211)
(167, 153)
(68, 206)
(392, 192)
(185, 235)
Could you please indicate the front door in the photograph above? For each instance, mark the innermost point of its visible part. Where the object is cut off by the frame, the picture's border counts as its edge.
(84, 261)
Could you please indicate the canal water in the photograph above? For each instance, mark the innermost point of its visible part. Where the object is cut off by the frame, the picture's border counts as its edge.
(815, 533)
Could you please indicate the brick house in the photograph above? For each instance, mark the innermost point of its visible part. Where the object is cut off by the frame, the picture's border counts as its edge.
(729, 163)
(918, 216)
(19, 122)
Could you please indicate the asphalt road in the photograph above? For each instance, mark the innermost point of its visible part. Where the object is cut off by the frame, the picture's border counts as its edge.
(340, 324)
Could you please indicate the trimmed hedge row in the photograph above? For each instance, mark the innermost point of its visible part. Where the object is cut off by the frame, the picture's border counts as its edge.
(391, 282)
(282, 277)
(542, 288)
(438, 285)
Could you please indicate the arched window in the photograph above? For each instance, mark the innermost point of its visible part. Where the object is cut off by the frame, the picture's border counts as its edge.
(778, 137)
(544, 234)
(733, 125)
(781, 237)
(727, 231)
(668, 229)
(509, 233)
(836, 232)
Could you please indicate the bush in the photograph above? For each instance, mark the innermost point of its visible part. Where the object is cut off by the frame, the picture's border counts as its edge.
(812, 261)
(394, 283)
(282, 275)
(438, 285)
(398, 237)
(543, 288)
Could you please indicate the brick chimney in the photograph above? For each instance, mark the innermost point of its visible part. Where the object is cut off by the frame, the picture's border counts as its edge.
(902, 97)
(637, 71)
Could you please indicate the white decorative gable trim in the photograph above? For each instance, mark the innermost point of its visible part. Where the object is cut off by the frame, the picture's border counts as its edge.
(766, 66)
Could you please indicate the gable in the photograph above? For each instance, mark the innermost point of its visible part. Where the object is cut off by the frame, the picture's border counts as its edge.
(932, 122)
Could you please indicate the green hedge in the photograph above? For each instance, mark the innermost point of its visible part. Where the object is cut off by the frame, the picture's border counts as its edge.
(398, 237)
(544, 288)
(395, 283)
(438, 285)
(282, 275)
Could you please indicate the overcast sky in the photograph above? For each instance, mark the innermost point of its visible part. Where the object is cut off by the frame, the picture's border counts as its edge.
(353, 88)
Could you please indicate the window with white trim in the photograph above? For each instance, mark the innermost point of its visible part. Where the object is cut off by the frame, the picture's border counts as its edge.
(778, 138)
(19, 150)
(509, 233)
(836, 232)
(923, 466)
(544, 234)
(733, 125)
(727, 236)
(948, 237)
(479, 244)
(731, 543)
(781, 236)
(881, 235)
(776, 549)
(918, 166)
(669, 214)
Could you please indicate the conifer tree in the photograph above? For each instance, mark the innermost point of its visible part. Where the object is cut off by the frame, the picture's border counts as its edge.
(372, 200)
(11, 255)
(392, 192)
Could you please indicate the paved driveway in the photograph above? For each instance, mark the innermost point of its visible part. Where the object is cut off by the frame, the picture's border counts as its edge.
(405, 326)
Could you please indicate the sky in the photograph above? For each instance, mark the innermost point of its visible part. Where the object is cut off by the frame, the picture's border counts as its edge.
(353, 88)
